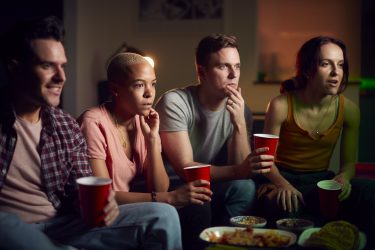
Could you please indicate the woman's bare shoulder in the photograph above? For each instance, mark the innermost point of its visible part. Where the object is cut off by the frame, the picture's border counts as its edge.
(278, 103)
(351, 112)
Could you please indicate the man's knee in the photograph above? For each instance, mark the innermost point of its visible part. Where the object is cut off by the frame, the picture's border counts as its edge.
(240, 197)
(243, 188)
(7, 221)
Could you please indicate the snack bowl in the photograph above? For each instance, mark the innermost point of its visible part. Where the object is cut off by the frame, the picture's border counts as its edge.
(245, 221)
(294, 224)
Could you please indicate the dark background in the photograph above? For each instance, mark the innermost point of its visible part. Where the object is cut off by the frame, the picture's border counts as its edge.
(367, 96)
(13, 10)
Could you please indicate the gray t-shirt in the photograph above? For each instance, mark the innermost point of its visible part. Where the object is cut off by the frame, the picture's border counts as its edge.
(179, 110)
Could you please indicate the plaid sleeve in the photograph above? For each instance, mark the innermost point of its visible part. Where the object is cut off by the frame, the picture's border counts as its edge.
(63, 156)
(79, 162)
(79, 155)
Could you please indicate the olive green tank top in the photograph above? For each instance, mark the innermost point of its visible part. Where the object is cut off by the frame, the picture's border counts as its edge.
(299, 151)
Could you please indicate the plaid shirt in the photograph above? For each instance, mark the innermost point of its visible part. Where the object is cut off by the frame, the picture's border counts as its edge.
(62, 149)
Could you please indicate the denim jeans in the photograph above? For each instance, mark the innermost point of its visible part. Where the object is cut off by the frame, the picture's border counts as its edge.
(231, 198)
(139, 226)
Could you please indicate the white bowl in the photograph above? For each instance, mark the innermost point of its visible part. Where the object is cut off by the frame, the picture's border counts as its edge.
(245, 221)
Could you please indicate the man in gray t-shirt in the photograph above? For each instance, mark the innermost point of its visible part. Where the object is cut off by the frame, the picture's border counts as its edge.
(208, 130)
(206, 123)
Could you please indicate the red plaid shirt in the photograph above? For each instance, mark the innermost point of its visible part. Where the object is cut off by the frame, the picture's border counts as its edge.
(62, 150)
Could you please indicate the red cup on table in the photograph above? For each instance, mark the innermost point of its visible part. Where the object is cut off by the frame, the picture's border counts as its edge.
(329, 203)
(198, 172)
(93, 196)
(266, 140)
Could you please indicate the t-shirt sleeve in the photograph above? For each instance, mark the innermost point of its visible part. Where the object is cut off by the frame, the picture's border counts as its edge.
(249, 121)
(95, 136)
(174, 112)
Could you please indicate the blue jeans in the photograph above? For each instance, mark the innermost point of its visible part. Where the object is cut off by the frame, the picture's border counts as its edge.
(139, 226)
(231, 198)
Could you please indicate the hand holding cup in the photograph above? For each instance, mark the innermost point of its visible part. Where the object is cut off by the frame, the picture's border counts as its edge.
(329, 203)
(266, 140)
(93, 195)
(198, 172)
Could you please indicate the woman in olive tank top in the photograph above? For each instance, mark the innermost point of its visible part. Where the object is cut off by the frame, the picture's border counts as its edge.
(309, 116)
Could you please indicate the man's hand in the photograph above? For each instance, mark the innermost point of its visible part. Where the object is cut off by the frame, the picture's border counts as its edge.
(236, 106)
(111, 210)
(256, 163)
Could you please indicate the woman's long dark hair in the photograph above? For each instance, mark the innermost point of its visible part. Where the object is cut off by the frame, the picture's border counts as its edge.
(307, 62)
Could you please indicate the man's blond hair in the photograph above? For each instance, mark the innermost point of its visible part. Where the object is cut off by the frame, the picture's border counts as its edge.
(118, 66)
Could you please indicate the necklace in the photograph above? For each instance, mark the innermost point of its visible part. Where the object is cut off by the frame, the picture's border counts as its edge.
(121, 133)
(315, 132)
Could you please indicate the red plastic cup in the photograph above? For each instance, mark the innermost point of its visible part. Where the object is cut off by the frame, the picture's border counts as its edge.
(329, 203)
(199, 172)
(266, 140)
(93, 195)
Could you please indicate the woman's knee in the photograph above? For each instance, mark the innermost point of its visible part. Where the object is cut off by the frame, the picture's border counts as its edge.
(167, 215)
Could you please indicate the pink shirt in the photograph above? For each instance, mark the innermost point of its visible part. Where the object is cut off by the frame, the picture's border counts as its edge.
(104, 143)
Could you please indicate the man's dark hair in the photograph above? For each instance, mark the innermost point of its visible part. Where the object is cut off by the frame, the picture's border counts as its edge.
(307, 62)
(211, 44)
(15, 43)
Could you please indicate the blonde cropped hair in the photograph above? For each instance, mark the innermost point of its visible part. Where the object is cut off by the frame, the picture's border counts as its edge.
(118, 66)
